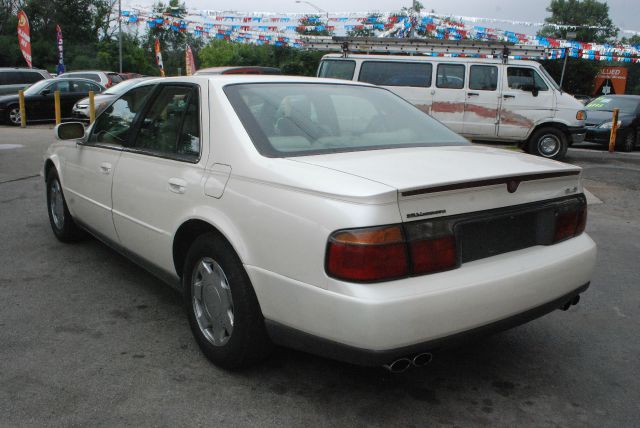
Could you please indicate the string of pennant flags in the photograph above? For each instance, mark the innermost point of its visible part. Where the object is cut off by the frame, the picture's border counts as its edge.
(284, 30)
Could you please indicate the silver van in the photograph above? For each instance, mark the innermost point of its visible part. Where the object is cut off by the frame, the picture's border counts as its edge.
(480, 98)
(13, 80)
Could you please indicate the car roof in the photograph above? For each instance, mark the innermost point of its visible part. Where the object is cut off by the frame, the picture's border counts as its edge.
(630, 97)
(89, 71)
(425, 58)
(21, 69)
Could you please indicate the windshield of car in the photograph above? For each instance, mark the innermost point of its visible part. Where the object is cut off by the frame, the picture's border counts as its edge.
(549, 78)
(626, 105)
(37, 87)
(292, 119)
(122, 87)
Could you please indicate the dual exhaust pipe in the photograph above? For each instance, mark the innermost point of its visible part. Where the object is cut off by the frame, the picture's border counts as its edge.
(403, 364)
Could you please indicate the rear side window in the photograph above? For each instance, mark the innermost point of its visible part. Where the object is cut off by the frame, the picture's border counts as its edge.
(30, 77)
(171, 126)
(91, 76)
(525, 79)
(115, 78)
(11, 78)
(450, 76)
(483, 77)
(113, 126)
(337, 69)
(386, 73)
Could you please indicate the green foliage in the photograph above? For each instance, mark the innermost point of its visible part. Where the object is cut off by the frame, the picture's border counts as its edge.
(292, 61)
(579, 74)
(581, 14)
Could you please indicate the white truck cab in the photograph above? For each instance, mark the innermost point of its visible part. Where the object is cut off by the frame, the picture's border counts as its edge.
(479, 98)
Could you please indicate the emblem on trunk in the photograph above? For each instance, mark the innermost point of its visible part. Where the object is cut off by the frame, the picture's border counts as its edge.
(512, 185)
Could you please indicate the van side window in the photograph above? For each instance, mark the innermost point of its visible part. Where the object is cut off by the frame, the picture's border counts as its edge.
(337, 69)
(525, 79)
(483, 78)
(450, 76)
(387, 73)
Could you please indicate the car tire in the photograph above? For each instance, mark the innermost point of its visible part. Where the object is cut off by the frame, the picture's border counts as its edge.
(221, 305)
(628, 141)
(13, 115)
(62, 224)
(548, 142)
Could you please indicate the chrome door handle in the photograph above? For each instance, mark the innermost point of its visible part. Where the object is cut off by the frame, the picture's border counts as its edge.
(508, 96)
(105, 168)
(177, 185)
(473, 94)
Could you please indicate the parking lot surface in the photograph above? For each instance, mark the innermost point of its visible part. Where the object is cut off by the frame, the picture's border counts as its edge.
(89, 339)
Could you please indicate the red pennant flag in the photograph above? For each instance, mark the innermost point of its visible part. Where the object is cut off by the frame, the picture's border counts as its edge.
(24, 39)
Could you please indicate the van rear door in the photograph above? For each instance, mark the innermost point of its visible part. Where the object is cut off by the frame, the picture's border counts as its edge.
(526, 101)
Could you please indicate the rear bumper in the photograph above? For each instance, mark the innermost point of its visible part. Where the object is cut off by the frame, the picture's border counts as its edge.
(369, 323)
(302, 341)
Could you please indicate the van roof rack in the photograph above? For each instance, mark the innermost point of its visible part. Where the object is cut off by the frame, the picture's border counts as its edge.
(426, 47)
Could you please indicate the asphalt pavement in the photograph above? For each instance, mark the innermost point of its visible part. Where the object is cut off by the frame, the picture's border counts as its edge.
(89, 339)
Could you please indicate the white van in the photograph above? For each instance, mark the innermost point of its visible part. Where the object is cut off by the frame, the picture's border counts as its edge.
(482, 99)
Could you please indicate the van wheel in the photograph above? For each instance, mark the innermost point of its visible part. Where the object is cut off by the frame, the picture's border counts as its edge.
(549, 143)
(223, 310)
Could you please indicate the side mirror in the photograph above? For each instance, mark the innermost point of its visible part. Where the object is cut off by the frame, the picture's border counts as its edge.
(534, 91)
(69, 131)
(45, 92)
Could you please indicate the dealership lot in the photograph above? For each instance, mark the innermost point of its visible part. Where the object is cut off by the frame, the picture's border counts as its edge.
(88, 338)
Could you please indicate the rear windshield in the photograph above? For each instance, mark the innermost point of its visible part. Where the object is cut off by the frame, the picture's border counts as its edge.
(91, 76)
(626, 105)
(337, 69)
(292, 119)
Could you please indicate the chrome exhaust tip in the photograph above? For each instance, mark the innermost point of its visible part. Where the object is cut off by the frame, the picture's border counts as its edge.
(399, 366)
(422, 360)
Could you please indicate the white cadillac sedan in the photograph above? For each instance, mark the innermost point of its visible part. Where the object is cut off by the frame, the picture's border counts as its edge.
(324, 215)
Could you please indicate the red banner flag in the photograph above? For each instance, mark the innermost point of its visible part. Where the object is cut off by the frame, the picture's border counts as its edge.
(159, 58)
(191, 64)
(24, 40)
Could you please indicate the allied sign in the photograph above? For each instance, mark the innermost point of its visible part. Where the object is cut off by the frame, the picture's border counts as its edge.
(611, 81)
(24, 39)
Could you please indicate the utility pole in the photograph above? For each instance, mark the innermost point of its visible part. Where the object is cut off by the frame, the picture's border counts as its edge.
(413, 11)
(120, 33)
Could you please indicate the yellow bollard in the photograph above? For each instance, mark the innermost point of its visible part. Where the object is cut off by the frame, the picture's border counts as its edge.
(614, 129)
(23, 110)
(56, 101)
(92, 107)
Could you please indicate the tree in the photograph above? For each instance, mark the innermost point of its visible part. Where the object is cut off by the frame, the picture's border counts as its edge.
(310, 24)
(588, 18)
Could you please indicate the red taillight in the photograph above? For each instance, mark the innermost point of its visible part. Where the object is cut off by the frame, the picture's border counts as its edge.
(433, 255)
(570, 221)
(384, 253)
(109, 82)
(367, 255)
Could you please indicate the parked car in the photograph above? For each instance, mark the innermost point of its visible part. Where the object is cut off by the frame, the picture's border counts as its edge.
(13, 80)
(105, 78)
(39, 99)
(81, 108)
(480, 98)
(127, 76)
(324, 215)
(584, 99)
(600, 120)
(238, 70)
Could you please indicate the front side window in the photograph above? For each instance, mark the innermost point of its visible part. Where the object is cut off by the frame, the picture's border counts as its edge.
(171, 125)
(450, 76)
(525, 79)
(337, 69)
(387, 73)
(483, 77)
(113, 126)
(286, 119)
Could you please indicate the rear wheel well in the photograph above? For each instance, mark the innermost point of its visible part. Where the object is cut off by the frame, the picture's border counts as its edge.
(187, 233)
(560, 126)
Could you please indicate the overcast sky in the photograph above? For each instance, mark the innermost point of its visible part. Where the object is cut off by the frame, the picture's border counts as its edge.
(625, 13)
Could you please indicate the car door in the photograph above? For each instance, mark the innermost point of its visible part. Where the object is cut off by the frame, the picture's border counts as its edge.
(40, 106)
(526, 101)
(161, 173)
(89, 168)
(449, 96)
(482, 102)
